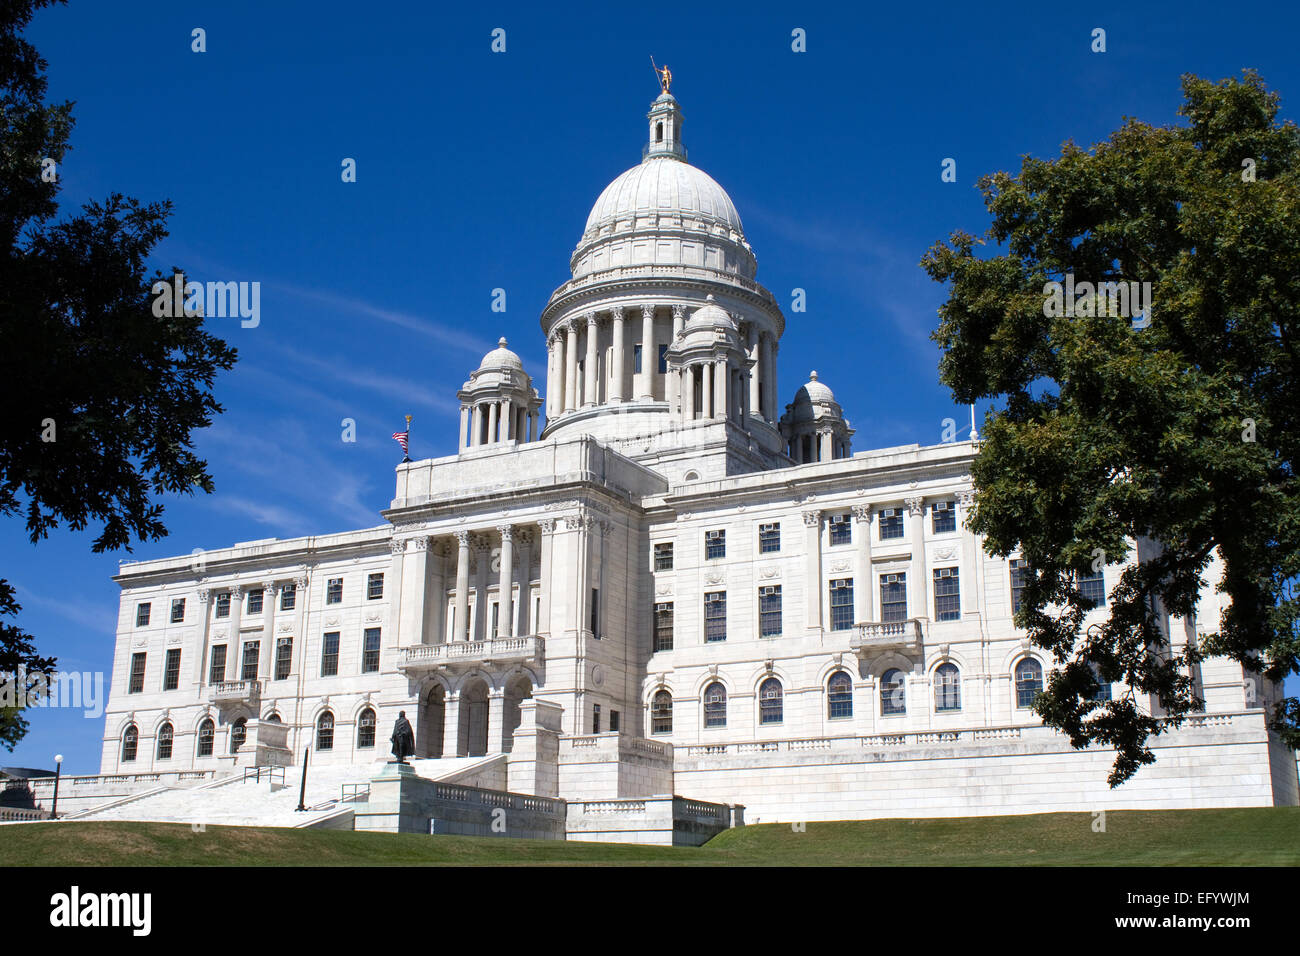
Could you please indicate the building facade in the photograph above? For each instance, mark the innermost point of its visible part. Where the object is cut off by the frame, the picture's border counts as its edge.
(675, 564)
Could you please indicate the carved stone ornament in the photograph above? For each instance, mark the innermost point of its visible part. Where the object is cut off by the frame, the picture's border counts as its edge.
(812, 519)
(862, 513)
(915, 505)
(945, 554)
(769, 573)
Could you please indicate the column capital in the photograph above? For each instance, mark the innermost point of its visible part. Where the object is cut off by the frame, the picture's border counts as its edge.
(205, 595)
(812, 519)
(915, 505)
(591, 318)
(300, 582)
(679, 312)
(862, 514)
(421, 544)
(506, 531)
(547, 525)
(236, 590)
(397, 546)
(462, 538)
(966, 499)
(616, 313)
(647, 311)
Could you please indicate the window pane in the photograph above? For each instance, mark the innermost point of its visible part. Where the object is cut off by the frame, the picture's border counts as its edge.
(943, 516)
(891, 523)
(329, 662)
(283, 657)
(769, 611)
(715, 544)
(893, 597)
(770, 702)
(769, 538)
(288, 597)
(715, 706)
(137, 674)
(661, 713)
(172, 670)
(370, 651)
(947, 688)
(715, 616)
(664, 627)
(842, 604)
(841, 529)
(839, 694)
(664, 556)
(375, 587)
(893, 693)
(252, 650)
(217, 666)
(947, 594)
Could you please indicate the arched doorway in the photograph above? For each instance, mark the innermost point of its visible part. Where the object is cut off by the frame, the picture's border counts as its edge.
(474, 718)
(518, 689)
(431, 723)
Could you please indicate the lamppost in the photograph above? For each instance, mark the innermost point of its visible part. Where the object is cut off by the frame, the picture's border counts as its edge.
(58, 769)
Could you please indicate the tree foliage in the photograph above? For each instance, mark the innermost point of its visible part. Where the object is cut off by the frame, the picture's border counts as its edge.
(1180, 436)
(100, 396)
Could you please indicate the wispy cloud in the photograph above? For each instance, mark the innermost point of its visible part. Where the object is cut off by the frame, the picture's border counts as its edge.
(263, 513)
(95, 618)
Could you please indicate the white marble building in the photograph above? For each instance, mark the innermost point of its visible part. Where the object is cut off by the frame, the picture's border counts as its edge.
(701, 591)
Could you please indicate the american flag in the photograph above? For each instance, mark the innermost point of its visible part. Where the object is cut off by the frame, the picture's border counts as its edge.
(400, 438)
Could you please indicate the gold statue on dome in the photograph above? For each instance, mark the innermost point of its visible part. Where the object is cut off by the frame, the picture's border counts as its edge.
(664, 75)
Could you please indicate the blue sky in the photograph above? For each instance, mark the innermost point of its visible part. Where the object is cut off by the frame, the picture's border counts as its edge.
(477, 170)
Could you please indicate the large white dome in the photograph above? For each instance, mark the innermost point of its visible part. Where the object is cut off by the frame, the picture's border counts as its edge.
(666, 186)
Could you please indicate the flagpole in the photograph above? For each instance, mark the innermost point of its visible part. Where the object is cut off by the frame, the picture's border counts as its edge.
(407, 453)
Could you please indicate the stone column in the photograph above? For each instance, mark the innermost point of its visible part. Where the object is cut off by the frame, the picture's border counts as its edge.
(618, 391)
(475, 425)
(686, 388)
(768, 349)
(864, 585)
(525, 584)
(754, 377)
(461, 623)
(917, 585)
(672, 389)
(505, 583)
(970, 555)
(590, 395)
(205, 607)
(496, 721)
(482, 612)
(302, 590)
(649, 357)
(547, 544)
(492, 437)
(571, 365)
(812, 525)
(553, 378)
(827, 452)
(464, 427)
(508, 430)
(721, 387)
(451, 746)
(234, 645)
(679, 320)
(706, 390)
(271, 594)
(435, 600)
(415, 567)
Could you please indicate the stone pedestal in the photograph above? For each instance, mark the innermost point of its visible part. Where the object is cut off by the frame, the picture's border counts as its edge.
(534, 756)
(392, 807)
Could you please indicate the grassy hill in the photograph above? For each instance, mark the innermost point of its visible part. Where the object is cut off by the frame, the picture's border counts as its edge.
(1253, 837)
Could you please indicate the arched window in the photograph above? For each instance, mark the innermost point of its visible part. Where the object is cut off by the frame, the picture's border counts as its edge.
(1102, 692)
(661, 713)
(947, 687)
(165, 735)
(238, 734)
(130, 740)
(715, 705)
(325, 732)
(839, 694)
(207, 730)
(893, 693)
(272, 718)
(771, 706)
(366, 728)
(1029, 681)
(659, 132)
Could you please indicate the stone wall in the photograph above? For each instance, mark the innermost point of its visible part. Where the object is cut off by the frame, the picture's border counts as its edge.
(611, 766)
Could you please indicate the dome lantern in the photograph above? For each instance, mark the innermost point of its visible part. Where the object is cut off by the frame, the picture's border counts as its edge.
(665, 129)
(498, 403)
(814, 427)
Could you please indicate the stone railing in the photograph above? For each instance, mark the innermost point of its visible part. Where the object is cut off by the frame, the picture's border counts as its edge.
(874, 636)
(240, 691)
(504, 649)
(654, 271)
(114, 779)
(498, 798)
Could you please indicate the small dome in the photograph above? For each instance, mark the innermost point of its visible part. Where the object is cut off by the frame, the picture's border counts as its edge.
(501, 357)
(814, 391)
(709, 315)
(707, 325)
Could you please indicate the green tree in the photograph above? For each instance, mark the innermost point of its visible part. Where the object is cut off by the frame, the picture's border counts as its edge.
(100, 396)
(1181, 435)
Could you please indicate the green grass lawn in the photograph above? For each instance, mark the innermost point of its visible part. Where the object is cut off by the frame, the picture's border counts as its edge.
(1254, 837)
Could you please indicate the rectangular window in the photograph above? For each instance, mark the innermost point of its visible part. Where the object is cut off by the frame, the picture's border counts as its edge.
(663, 627)
(636, 358)
(595, 718)
(841, 529)
(283, 657)
(172, 669)
(223, 604)
(891, 523)
(178, 610)
(1093, 587)
(715, 616)
(1019, 569)
(255, 601)
(142, 615)
(664, 556)
(334, 591)
(288, 597)
(842, 604)
(769, 610)
(494, 620)
(663, 359)
(715, 545)
(769, 538)
(613, 721)
(893, 597)
(252, 651)
(595, 613)
(329, 655)
(217, 666)
(137, 674)
(947, 594)
(375, 586)
(370, 651)
(943, 516)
